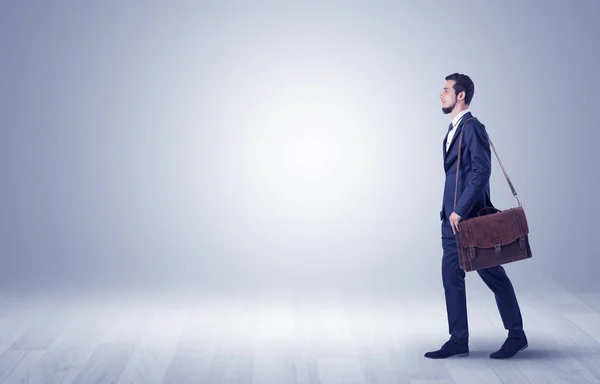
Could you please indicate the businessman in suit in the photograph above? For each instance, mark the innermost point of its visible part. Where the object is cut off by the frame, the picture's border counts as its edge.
(472, 196)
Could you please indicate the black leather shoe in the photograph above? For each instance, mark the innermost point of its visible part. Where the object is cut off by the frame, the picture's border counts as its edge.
(449, 349)
(510, 348)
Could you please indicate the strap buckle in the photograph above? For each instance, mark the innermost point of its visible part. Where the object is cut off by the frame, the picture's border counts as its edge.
(519, 202)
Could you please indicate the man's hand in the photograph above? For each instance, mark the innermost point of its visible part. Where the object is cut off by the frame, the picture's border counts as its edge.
(454, 219)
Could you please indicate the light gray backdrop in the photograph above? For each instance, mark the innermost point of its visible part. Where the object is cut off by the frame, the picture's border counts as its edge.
(273, 146)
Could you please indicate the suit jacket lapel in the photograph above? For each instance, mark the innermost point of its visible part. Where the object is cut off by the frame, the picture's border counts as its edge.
(444, 145)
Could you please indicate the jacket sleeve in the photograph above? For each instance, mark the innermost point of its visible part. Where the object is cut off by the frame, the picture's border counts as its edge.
(476, 139)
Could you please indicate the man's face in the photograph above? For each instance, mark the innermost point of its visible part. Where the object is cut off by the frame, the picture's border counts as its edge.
(448, 97)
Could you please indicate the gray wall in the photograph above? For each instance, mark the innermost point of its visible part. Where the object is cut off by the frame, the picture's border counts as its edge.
(236, 146)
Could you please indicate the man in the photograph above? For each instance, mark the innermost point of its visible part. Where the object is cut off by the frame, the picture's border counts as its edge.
(473, 195)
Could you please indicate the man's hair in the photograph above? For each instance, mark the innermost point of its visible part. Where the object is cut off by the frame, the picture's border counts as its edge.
(463, 83)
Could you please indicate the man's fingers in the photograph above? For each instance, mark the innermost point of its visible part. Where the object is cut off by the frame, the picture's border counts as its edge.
(454, 225)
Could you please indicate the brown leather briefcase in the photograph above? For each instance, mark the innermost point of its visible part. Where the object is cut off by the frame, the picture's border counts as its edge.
(493, 239)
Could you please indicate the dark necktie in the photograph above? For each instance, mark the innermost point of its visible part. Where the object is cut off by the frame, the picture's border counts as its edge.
(449, 129)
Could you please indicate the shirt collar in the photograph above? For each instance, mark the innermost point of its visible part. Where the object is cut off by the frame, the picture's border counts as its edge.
(456, 119)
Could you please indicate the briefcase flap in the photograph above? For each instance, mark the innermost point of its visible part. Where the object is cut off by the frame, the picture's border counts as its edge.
(496, 229)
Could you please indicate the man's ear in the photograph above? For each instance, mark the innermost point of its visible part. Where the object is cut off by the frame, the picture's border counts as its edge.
(461, 95)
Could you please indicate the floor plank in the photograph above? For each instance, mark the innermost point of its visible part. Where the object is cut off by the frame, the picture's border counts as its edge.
(194, 352)
(45, 328)
(67, 356)
(587, 322)
(16, 365)
(590, 299)
(555, 323)
(9, 361)
(106, 364)
(588, 358)
(151, 358)
(13, 326)
(340, 371)
(275, 363)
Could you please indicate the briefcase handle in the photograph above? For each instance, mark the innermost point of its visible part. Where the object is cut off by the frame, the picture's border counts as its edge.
(512, 188)
(492, 208)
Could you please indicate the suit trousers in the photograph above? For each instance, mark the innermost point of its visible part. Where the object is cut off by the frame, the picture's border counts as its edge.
(453, 278)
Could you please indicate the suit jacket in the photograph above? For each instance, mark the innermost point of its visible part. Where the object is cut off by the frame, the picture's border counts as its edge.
(475, 169)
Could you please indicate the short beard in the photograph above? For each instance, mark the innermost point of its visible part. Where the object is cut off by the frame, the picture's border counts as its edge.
(449, 109)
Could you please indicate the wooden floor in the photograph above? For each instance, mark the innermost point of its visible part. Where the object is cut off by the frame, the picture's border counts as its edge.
(112, 339)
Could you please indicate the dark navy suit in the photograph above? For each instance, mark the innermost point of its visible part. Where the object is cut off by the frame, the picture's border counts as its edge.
(473, 195)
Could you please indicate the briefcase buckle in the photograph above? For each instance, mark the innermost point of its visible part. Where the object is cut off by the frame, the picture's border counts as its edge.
(497, 247)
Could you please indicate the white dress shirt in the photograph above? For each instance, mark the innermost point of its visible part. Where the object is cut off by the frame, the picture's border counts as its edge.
(455, 122)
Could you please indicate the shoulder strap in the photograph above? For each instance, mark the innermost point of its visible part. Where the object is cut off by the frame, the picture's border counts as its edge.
(512, 188)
